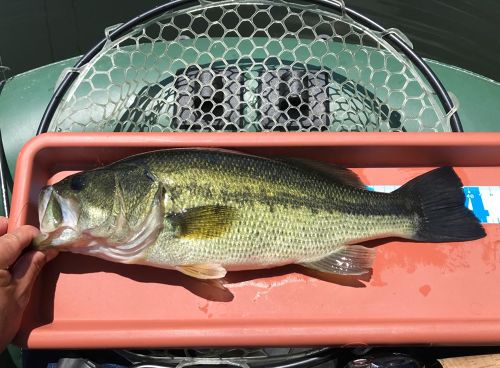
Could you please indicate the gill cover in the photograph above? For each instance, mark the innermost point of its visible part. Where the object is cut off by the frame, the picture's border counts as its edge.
(113, 212)
(121, 241)
(58, 219)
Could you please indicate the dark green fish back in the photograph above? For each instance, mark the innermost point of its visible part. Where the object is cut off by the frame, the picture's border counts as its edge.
(247, 178)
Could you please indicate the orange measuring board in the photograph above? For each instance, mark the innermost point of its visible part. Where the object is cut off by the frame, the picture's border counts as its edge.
(442, 293)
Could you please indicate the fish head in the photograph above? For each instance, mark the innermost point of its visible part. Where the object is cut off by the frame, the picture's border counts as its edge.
(104, 206)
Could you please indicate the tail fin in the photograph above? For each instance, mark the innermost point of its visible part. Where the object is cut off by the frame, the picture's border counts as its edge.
(440, 204)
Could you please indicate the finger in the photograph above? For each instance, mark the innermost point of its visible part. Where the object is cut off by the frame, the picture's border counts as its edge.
(5, 278)
(12, 244)
(50, 254)
(25, 272)
(4, 222)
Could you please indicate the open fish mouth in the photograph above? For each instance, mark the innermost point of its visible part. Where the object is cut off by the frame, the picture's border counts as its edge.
(113, 239)
(58, 219)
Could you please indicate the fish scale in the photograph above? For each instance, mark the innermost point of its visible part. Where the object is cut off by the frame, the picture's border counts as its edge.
(284, 214)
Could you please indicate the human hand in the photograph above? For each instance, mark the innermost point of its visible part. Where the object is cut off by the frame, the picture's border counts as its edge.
(18, 273)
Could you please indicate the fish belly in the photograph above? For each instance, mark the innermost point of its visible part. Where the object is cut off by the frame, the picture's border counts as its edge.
(263, 238)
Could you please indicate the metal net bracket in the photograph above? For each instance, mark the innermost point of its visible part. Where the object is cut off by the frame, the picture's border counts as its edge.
(65, 72)
(3, 70)
(107, 34)
(343, 12)
(454, 108)
(397, 32)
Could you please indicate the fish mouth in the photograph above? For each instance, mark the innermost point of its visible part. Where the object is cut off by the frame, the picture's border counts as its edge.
(58, 219)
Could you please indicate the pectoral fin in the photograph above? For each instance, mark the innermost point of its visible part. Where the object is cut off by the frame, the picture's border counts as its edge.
(349, 260)
(204, 222)
(203, 271)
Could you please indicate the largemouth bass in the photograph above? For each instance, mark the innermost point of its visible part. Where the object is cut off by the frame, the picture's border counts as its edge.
(206, 211)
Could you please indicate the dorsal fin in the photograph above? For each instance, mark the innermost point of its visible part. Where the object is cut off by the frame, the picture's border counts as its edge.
(333, 172)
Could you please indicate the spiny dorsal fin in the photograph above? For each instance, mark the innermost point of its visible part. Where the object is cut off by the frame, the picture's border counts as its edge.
(204, 222)
(335, 173)
(203, 271)
(349, 260)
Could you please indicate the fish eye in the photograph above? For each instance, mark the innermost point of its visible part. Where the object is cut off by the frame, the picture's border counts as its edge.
(77, 183)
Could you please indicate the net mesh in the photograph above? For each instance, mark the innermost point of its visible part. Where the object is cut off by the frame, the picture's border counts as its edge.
(250, 66)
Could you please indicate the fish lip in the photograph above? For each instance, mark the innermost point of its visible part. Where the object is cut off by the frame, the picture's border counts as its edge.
(40, 241)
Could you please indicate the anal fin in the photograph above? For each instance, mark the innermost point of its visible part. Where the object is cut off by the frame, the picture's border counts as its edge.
(203, 271)
(349, 260)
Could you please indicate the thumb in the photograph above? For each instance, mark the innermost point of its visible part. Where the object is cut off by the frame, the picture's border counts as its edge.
(4, 223)
(25, 272)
